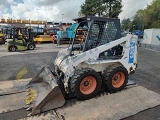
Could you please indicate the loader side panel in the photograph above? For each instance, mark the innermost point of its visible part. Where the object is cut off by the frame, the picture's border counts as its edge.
(132, 51)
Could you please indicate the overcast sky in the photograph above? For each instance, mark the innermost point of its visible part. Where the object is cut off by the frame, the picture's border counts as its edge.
(53, 10)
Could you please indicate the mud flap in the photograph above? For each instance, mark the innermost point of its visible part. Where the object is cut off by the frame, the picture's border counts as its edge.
(44, 92)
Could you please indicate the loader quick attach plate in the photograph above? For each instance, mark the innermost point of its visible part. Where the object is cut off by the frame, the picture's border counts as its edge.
(44, 92)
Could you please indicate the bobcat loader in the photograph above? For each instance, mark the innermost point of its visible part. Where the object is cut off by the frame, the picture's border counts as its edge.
(102, 59)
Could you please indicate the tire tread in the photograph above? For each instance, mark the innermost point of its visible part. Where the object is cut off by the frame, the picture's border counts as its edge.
(78, 73)
(107, 75)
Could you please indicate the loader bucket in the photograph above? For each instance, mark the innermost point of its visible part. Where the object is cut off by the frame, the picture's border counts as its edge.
(44, 92)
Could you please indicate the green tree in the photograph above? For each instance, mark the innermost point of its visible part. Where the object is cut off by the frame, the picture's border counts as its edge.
(92, 7)
(125, 24)
(80, 14)
(152, 15)
(105, 8)
(112, 8)
(138, 21)
(149, 17)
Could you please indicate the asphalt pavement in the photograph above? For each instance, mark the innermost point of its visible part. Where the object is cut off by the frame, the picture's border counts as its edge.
(147, 73)
(11, 65)
(148, 76)
(32, 61)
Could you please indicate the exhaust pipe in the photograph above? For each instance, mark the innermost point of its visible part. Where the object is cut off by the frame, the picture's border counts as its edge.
(44, 92)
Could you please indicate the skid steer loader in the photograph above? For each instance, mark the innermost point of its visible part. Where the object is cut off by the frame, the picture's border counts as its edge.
(102, 59)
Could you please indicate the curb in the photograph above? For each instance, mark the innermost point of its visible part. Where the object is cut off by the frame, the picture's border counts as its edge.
(150, 46)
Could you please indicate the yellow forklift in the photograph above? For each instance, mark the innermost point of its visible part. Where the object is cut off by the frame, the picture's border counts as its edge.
(20, 39)
(2, 38)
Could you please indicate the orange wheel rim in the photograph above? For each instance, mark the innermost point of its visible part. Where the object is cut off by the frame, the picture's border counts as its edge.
(88, 85)
(118, 79)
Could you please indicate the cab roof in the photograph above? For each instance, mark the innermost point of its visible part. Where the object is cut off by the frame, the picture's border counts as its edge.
(88, 18)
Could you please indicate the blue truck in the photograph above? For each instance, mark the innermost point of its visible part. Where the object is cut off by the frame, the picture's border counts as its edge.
(139, 33)
(69, 33)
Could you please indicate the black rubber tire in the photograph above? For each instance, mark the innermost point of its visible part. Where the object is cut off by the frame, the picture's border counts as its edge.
(12, 48)
(109, 73)
(75, 81)
(31, 47)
